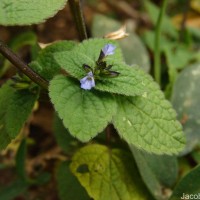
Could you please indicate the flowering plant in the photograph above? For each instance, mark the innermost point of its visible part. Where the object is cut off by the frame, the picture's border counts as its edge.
(102, 92)
(101, 68)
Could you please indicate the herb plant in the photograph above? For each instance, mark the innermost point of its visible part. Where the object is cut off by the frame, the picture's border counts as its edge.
(119, 135)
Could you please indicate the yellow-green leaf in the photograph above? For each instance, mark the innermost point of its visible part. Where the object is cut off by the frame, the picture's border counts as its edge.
(108, 174)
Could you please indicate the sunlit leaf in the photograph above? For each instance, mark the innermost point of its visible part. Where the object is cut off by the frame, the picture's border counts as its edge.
(108, 174)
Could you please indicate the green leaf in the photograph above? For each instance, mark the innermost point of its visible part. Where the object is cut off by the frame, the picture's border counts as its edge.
(84, 113)
(14, 103)
(73, 62)
(92, 47)
(185, 99)
(108, 174)
(25, 12)
(133, 49)
(6, 93)
(20, 104)
(68, 186)
(45, 64)
(148, 121)
(62, 136)
(159, 172)
(20, 160)
(86, 52)
(129, 82)
(188, 185)
(13, 190)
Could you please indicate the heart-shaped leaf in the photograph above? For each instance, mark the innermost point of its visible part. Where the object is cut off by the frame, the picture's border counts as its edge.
(84, 113)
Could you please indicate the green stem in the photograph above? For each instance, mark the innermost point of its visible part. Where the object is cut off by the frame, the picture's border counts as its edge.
(22, 66)
(76, 9)
(157, 56)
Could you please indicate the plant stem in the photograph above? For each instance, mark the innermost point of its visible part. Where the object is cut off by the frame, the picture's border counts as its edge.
(157, 59)
(76, 9)
(22, 66)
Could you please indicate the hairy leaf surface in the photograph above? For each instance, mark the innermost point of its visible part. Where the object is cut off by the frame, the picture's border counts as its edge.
(149, 121)
(86, 52)
(84, 113)
(26, 12)
(129, 82)
(45, 64)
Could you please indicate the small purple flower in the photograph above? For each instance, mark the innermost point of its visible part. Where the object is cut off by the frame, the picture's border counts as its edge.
(108, 49)
(88, 81)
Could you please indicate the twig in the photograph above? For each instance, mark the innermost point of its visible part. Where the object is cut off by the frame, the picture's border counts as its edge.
(22, 66)
(76, 9)
(157, 60)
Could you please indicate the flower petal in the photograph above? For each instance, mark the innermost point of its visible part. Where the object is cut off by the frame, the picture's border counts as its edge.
(90, 74)
(83, 80)
(87, 85)
(108, 49)
(88, 82)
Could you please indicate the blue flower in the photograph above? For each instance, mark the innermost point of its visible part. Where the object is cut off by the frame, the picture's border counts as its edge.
(87, 83)
(108, 49)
